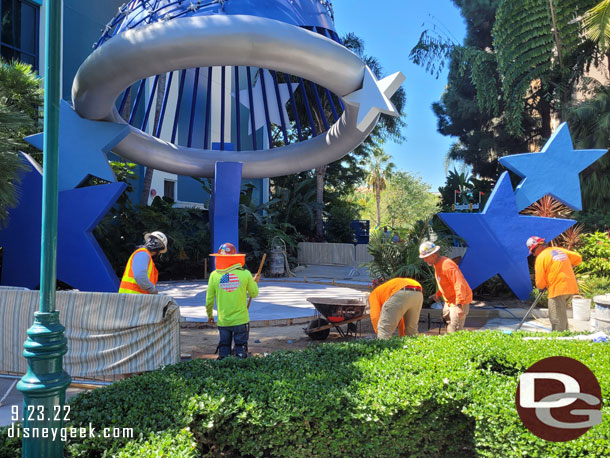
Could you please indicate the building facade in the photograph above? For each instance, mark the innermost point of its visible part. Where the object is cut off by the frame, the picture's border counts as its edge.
(22, 36)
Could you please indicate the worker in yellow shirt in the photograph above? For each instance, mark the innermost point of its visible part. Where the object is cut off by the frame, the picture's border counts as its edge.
(396, 303)
(554, 272)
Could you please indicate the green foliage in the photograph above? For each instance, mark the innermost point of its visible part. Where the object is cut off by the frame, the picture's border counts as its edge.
(11, 163)
(339, 215)
(399, 397)
(592, 285)
(594, 221)
(123, 228)
(177, 444)
(10, 447)
(595, 252)
(468, 190)
(20, 100)
(597, 23)
(401, 259)
(406, 200)
(539, 41)
(589, 122)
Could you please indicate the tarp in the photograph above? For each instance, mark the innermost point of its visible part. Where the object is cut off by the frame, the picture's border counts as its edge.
(108, 333)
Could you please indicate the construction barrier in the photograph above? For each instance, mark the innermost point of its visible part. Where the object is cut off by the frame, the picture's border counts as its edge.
(108, 333)
(333, 254)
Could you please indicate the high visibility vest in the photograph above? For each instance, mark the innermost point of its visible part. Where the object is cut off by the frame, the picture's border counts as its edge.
(128, 282)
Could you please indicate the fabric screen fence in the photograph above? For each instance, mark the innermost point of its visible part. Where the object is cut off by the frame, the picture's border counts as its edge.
(108, 333)
(337, 254)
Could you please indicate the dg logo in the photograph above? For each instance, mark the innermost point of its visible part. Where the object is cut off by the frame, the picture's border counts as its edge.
(559, 399)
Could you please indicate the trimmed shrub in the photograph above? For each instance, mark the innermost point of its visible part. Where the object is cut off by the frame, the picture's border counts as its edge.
(402, 397)
(595, 252)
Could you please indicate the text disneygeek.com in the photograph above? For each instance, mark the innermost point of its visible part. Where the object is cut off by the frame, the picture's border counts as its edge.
(18, 431)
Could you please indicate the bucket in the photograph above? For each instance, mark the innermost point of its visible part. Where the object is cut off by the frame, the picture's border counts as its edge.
(277, 262)
(602, 313)
(581, 308)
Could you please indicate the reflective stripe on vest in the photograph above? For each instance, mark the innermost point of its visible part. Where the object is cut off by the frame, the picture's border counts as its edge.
(128, 282)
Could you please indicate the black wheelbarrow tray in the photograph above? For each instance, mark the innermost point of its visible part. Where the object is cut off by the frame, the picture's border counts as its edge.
(335, 312)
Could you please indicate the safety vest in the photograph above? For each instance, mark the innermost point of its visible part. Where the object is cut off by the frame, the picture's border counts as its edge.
(128, 282)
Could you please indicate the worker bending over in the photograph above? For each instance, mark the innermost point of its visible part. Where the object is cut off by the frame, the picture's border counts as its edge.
(396, 303)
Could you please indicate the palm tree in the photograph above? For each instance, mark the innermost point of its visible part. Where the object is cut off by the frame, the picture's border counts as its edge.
(20, 101)
(379, 170)
(597, 25)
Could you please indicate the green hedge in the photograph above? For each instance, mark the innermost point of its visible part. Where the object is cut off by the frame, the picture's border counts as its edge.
(450, 396)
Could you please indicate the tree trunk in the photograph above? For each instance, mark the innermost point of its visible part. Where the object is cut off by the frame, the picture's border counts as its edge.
(378, 202)
(320, 173)
(146, 183)
(544, 108)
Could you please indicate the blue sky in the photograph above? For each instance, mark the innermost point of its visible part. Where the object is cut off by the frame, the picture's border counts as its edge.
(390, 28)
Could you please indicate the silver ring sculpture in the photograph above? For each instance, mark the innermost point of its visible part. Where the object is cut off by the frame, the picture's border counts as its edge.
(218, 40)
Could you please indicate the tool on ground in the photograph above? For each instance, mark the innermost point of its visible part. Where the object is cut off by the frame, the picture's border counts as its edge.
(530, 310)
(260, 269)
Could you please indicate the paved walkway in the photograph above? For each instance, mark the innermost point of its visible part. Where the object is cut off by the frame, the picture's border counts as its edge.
(276, 300)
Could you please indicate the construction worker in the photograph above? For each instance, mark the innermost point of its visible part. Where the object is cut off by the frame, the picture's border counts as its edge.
(141, 274)
(451, 286)
(230, 286)
(554, 272)
(396, 303)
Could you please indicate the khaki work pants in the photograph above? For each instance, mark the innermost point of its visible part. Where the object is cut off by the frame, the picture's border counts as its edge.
(558, 313)
(450, 316)
(402, 304)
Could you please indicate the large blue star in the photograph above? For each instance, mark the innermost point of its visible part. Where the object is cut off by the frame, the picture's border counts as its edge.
(81, 263)
(83, 145)
(553, 171)
(497, 239)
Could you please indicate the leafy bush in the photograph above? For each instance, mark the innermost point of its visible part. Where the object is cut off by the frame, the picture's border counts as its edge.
(595, 252)
(591, 286)
(391, 259)
(403, 397)
(122, 230)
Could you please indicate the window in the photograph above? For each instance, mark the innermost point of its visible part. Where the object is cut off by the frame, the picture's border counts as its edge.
(169, 189)
(19, 31)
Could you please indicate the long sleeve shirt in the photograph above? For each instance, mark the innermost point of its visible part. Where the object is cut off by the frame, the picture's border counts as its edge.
(451, 282)
(139, 265)
(554, 271)
(229, 287)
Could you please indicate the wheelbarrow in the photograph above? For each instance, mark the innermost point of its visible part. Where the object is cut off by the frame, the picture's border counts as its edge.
(334, 312)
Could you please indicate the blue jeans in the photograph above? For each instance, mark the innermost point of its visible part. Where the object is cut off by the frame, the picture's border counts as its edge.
(239, 334)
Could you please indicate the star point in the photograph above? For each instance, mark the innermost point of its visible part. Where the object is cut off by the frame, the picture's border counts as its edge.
(83, 145)
(374, 97)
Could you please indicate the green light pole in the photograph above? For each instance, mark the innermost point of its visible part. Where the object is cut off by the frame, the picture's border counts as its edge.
(44, 385)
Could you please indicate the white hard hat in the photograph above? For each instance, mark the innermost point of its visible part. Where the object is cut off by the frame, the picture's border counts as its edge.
(428, 248)
(160, 236)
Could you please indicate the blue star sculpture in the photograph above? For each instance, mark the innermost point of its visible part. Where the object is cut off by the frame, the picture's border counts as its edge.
(83, 145)
(554, 170)
(81, 263)
(497, 239)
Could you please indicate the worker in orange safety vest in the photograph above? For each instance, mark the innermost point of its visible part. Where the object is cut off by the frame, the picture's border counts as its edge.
(554, 272)
(141, 274)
